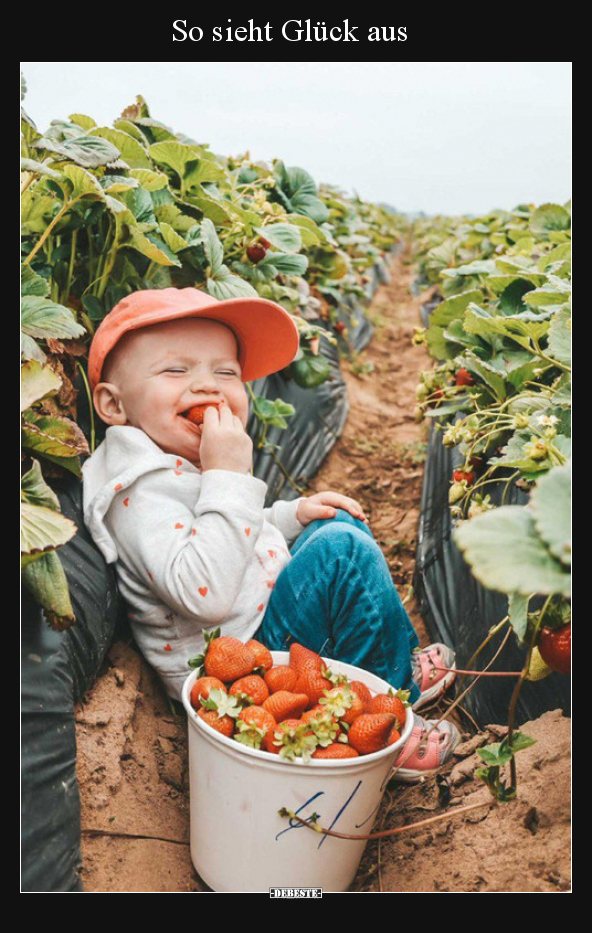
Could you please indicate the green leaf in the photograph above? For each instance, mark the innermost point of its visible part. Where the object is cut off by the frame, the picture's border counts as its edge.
(518, 613)
(115, 184)
(506, 553)
(153, 247)
(511, 299)
(37, 381)
(309, 371)
(43, 529)
(87, 123)
(149, 179)
(520, 741)
(35, 490)
(84, 184)
(33, 284)
(551, 506)
(39, 168)
(227, 285)
(130, 149)
(172, 238)
(495, 754)
(42, 318)
(285, 237)
(53, 436)
(86, 151)
(549, 217)
(560, 337)
(559, 253)
(46, 581)
(212, 247)
(219, 212)
(36, 211)
(298, 193)
(286, 263)
(480, 322)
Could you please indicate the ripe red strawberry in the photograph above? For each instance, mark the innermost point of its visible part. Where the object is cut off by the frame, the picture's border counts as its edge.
(325, 727)
(292, 739)
(252, 724)
(555, 648)
(196, 414)
(223, 724)
(463, 475)
(251, 686)
(257, 716)
(264, 660)
(389, 703)
(283, 705)
(202, 687)
(228, 659)
(394, 736)
(303, 659)
(370, 732)
(345, 702)
(362, 690)
(313, 684)
(464, 378)
(336, 751)
(281, 677)
(339, 327)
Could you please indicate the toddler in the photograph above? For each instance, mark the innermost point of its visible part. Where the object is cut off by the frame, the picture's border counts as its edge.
(175, 506)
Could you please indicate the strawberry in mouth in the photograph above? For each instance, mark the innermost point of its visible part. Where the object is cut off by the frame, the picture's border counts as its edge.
(196, 414)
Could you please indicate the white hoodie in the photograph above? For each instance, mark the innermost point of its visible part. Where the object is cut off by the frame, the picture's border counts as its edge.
(192, 550)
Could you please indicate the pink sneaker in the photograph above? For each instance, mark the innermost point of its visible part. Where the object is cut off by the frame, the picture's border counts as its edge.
(427, 673)
(426, 750)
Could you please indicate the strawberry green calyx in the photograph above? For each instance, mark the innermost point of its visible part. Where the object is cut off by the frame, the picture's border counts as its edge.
(248, 734)
(222, 703)
(338, 700)
(325, 729)
(402, 695)
(295, 743)
(199, 660)
(337, 679)
(243, 699)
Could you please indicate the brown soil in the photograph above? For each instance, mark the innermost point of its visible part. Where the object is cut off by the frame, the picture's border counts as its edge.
(132, 754)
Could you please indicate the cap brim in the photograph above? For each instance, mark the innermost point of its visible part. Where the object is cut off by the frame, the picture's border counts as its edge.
(267, 335)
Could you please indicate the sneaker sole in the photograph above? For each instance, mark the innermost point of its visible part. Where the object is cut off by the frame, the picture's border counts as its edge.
(409, 776)
(428, 696)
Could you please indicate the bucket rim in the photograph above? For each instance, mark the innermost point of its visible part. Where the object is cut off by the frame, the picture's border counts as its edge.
(265, 757)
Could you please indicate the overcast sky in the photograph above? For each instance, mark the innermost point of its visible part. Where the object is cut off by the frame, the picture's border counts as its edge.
(446, 137)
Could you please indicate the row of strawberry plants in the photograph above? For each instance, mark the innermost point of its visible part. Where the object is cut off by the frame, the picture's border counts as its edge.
(500, 395)
(108, 210)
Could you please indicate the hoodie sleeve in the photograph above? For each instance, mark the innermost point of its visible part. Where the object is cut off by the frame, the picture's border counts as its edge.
(193, 560)
(283, 515)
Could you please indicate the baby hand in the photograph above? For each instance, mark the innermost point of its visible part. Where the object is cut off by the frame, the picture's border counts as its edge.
(325, 504)
(224, 445)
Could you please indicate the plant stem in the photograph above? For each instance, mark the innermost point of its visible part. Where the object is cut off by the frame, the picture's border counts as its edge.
(90, 406)
(385, 832)
(48, 230)
(518, 688)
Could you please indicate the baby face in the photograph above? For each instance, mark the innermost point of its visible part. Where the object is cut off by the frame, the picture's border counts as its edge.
(156, 374)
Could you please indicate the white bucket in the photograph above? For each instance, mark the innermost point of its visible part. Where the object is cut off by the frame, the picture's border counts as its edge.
(239, 843)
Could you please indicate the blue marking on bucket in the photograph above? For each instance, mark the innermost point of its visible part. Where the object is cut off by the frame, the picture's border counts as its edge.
(370, 815)
(345, 805)
(292, 823)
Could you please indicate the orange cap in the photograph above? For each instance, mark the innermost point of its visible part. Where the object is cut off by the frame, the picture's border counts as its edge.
(267, 336)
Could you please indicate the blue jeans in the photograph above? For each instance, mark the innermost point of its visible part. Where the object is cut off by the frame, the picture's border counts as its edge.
(336, 597)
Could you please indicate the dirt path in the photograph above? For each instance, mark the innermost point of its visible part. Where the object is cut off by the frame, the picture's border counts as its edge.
(132, 756)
